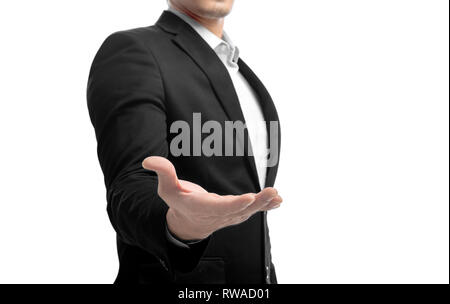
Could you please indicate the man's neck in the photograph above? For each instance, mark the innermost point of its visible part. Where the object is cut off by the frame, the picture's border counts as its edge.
(213, 25)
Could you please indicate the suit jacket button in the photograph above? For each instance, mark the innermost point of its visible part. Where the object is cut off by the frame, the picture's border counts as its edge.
(267, 274)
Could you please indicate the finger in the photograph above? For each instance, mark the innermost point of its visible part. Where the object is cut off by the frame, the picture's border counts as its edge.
(263, 198)
(272, 207)
(259, 206)
(231, 204)
(222, 205)
(267, 194)
(274, 204)
(276, 200)
(167, 176)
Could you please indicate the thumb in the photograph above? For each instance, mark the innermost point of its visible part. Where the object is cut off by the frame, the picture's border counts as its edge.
(167, 176)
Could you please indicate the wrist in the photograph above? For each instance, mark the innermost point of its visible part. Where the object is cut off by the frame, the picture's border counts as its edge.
(183, 228)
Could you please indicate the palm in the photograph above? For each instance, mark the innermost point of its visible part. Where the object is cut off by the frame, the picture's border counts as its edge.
(205, 210)
(190, 187)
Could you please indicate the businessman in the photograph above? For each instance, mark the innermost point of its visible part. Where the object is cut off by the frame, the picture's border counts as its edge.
(182, 213)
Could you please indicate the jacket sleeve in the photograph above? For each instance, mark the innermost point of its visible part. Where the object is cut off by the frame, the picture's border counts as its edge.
(125, 97)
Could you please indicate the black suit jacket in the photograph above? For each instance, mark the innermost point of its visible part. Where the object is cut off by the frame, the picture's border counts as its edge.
(141, 81)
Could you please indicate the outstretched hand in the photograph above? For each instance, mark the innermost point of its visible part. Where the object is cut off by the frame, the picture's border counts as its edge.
(195, 213)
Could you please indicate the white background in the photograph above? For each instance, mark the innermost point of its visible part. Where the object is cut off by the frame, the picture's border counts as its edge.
(362, 92)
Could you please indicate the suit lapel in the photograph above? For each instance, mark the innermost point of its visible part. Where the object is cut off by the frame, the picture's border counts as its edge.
(206, 59)
(269, 112)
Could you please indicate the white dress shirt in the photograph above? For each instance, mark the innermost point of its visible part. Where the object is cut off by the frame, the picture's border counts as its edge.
(254, 118)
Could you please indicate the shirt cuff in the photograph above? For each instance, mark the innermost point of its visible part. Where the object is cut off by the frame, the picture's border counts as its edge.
(180, 243)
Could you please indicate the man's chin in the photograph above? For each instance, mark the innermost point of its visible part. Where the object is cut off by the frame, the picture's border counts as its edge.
(216, 13)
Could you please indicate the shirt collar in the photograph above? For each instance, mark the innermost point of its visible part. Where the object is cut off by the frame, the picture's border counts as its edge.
(218, 45)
